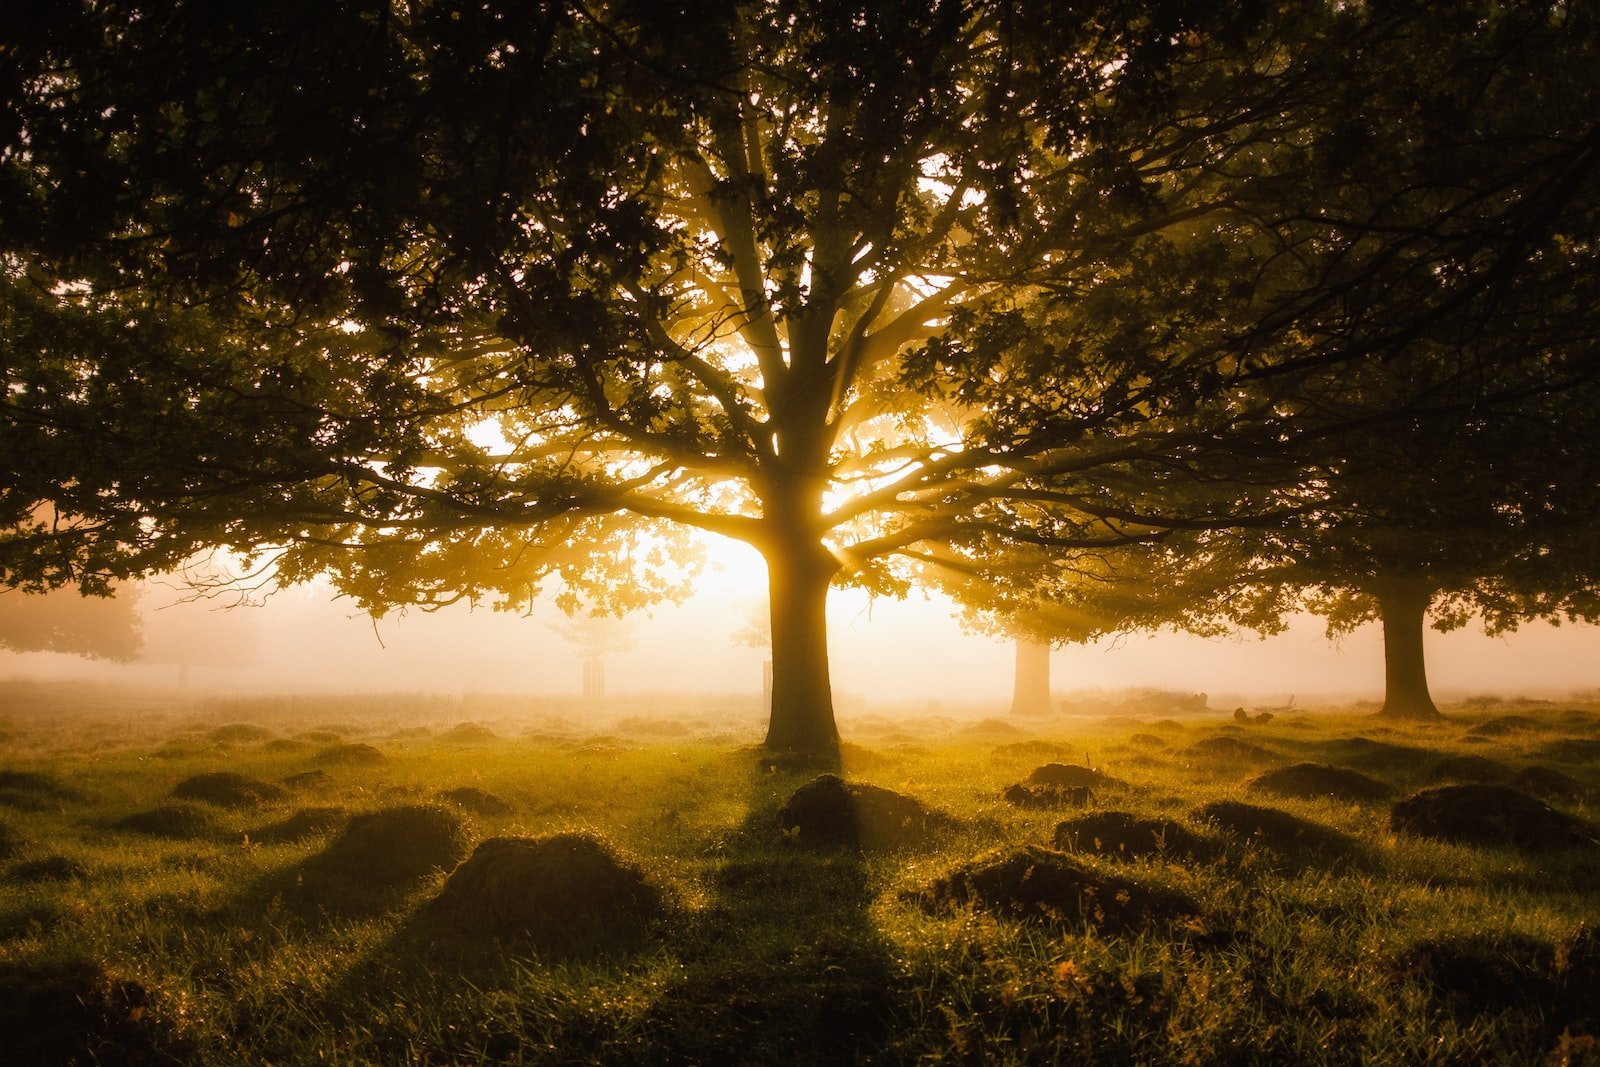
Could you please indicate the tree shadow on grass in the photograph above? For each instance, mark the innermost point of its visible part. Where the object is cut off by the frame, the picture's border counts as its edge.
(784, 964)
(778, 961)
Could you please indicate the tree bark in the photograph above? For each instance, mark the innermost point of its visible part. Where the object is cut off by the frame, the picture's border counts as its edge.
(1030, 690)
(801, 718)
(1403, 607)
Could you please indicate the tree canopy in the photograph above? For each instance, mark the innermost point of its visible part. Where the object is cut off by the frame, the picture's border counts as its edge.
(449, 303)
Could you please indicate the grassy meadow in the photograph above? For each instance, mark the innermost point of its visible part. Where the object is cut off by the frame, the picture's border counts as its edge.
(154, 912)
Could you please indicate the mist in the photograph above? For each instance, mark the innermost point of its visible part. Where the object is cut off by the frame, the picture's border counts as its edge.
(886, 655)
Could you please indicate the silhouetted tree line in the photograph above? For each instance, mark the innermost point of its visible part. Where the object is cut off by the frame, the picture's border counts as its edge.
(1097, 314)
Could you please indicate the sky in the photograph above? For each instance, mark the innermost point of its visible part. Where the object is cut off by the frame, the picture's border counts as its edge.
(884, 653)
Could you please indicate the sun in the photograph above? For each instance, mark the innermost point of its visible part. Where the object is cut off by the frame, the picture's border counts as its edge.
(734, 571)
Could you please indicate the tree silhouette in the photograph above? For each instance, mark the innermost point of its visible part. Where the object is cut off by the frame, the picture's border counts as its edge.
(455, 304)
(66, 621)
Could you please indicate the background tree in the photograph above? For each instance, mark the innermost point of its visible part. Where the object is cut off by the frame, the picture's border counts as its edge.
(1473, 501)
(66, 621)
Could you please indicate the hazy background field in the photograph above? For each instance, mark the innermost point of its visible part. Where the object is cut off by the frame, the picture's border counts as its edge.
(910, 653)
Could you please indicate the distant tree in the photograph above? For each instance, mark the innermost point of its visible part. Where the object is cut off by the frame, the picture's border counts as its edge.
(595, 637)
(1468, 129)
(447, 303)
(1485, 514)
(1476, 501)
(66, 621)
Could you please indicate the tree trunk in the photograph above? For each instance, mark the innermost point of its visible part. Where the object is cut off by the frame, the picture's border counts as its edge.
(1404, 609)
(801, 719)
(1030, 691)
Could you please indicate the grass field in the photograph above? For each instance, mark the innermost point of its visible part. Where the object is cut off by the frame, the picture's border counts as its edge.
(240, 924)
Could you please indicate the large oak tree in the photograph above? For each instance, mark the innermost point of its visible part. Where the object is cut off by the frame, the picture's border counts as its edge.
(450, 303)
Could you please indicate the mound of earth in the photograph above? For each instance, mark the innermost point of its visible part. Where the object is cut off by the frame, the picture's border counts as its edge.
(225, 789)
(1034, 749)
(562, 893)
(1040, 884)
(1571, 750)
(1550, 784)
(1490, 815)
(1365, 752)
(307, 822)
(478, 801)
(1277, 831)
(1045, 796)
(643, 727)
(1122, 834)
(1313, 781)
(989, 728)
(1503, 726)
(49, 869)
(1479, 769)
(1472, 974)
(1071, 776)
(241, 733)
(1148, 741)
(72, 1012)
(314, 779)
(286, 746)
(354, 754)
(395, 845)
(1227, 749)
(829, 812)
(175, 821)
(33, 791)
(468, 733)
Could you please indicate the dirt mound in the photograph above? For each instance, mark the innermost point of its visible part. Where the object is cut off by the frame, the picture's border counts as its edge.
(1122, 834)
(354, 754)
(286, 746)
(1034, 749)
(640, 726)
(1472, 974)
(1503, 726)
(178, 822)
(1571, 750)
(1278, 831)
(308, 780)
(1313, 781)
(307, 822)
(1148, 740)
(565, 893)
(49, 869)
(1550, 784)
(1490, 815)
(241, 733)
(33, 791)
(829, 812)
(395, 845)
(478, 801)
(1480, 769)
(991, 728)
(468, 733)
(73, 1012)
(1037, 883)
(224, 789)
(1226, 749)
(1071, 776)
(1365, 752)
(1045, 797)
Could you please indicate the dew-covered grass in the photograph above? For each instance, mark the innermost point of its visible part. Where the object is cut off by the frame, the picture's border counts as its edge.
(232, 940)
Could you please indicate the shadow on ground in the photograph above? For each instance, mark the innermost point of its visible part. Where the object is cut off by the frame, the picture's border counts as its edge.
(775, 960)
